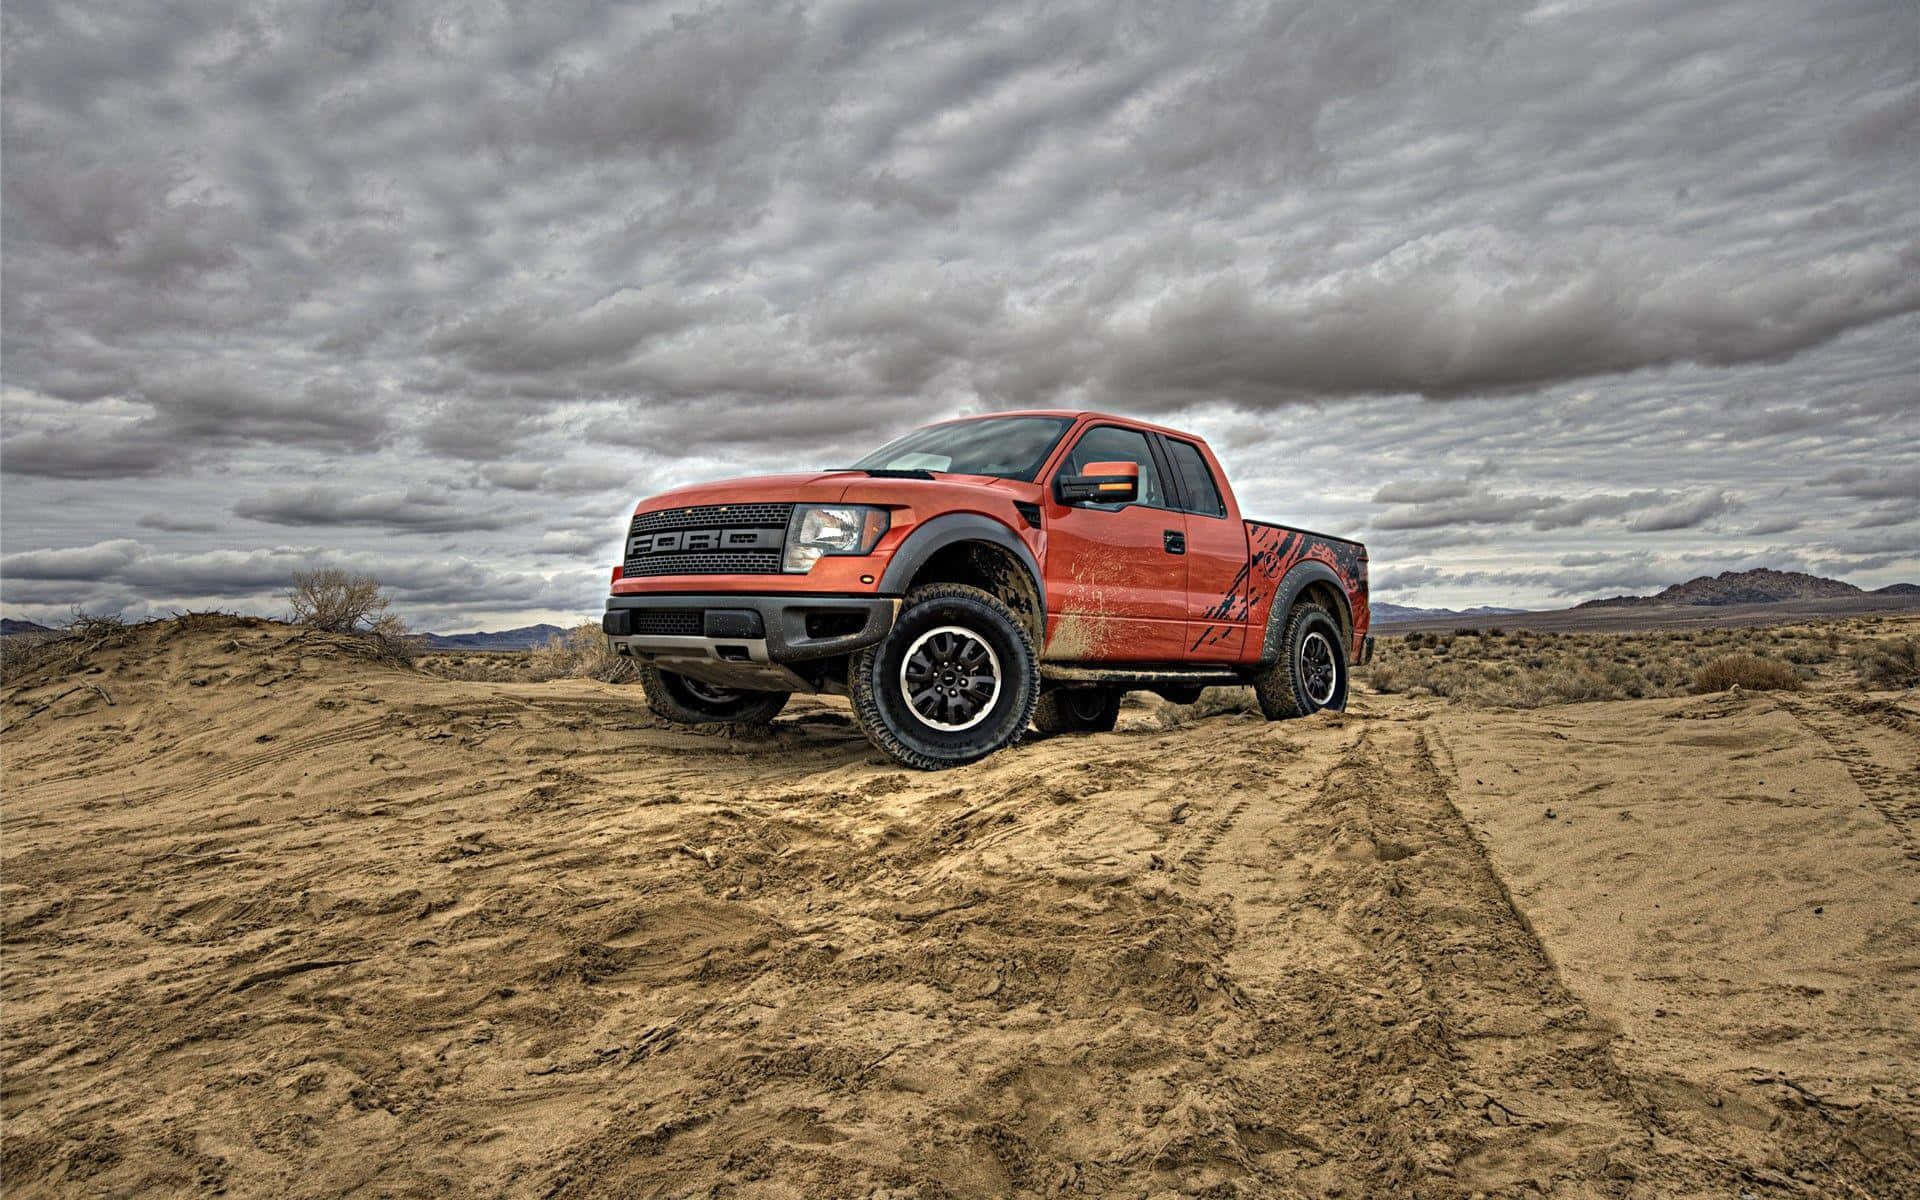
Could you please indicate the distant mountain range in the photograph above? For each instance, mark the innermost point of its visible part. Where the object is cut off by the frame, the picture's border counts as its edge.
(9, 627)
(1759, 586)
(526, 637)
(1387, 613)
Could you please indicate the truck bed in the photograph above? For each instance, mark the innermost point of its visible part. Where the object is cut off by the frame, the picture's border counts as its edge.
(1327, 537)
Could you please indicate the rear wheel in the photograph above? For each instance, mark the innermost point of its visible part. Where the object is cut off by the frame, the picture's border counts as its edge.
(953, 681)
(1077, 710)
(1311, 673)
(692, 702)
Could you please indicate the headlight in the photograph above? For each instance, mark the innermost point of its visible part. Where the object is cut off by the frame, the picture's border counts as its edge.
(821, 529)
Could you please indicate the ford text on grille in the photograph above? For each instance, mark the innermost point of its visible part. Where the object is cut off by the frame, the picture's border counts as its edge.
(679, 540)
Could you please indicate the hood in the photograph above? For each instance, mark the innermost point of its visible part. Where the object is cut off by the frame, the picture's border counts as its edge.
(854, 487)
(812, 485)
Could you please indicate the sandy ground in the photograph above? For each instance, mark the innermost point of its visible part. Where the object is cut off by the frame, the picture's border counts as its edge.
(282, 922)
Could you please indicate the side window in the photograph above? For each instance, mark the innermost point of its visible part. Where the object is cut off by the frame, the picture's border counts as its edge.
(1195, 480)
(1106, 443)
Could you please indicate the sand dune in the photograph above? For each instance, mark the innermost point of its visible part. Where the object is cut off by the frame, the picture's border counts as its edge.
(286, 922)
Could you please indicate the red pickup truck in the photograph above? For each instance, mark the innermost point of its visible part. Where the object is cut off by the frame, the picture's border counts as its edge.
(980, 575)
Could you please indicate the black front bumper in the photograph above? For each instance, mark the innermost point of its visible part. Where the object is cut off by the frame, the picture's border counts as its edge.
(746, 629)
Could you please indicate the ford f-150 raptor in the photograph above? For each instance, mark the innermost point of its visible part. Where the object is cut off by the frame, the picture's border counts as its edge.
(980, 575)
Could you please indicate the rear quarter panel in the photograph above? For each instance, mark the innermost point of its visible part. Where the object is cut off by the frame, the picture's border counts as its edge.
(1272, 551)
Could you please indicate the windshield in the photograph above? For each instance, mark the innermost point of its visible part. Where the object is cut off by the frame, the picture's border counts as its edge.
(1005, 447)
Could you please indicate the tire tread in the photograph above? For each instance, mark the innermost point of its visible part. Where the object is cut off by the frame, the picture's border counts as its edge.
(1278, 688)
(669, 707)
(866, 706)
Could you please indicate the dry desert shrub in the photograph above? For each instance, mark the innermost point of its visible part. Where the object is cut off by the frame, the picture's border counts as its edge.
(20, 651)
(1890, 663)
(96, 627)
(482, 666)
(336, 601)
(1526, 669)
(63, 651)
(581, 653)
(1747, 671)
(1513, 684)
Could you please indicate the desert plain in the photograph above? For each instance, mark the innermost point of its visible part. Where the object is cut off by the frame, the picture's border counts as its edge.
(283, 919)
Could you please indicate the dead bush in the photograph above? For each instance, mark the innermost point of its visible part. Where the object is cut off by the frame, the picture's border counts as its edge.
(482, 666)
(1526, 669)
(1388, 677)
(19, 652)
(97, 627)
(1746, 671)
(64, 650)
(581, 653)
(336, 601)
(394, 642)
(1891, 663)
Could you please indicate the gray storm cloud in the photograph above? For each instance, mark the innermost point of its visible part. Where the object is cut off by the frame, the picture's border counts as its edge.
(1490, 283)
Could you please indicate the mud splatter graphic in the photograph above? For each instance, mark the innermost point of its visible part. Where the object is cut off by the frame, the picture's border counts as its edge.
(1272, 551)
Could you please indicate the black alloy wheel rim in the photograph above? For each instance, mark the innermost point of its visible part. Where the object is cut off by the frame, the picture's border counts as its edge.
(1319, 671)
(950, 678)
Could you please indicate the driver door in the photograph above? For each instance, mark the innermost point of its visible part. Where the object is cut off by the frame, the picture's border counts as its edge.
(1116, 573)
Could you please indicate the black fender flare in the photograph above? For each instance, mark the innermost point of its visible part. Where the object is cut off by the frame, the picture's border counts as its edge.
(1292, 584)
(941, 532)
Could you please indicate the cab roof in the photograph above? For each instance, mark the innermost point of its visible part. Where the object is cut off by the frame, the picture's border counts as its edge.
(1075, 414)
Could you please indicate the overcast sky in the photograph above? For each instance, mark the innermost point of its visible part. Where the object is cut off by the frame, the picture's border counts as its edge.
(1543, 301)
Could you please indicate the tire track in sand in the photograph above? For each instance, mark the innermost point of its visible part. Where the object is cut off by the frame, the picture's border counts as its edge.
(1878, 752)
(1193, 860)
(1413, 1035)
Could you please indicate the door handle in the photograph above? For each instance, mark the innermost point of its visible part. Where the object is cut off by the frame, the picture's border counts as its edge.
(1174, 541)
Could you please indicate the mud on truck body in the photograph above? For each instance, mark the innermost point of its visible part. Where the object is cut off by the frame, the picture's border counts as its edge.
(979, 576)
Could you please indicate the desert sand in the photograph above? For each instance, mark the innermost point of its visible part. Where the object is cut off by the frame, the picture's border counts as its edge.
(283, 921)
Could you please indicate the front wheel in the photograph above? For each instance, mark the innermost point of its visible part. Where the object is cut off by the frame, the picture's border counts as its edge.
(953, 681)
(690, 702)
(1311, 673)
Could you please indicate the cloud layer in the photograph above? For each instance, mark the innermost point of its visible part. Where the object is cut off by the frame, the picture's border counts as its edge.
(1492, 284)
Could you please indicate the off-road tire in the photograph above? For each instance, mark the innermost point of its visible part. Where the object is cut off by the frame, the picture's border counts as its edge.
(882, 709)
(1077, 710)
(669, 696)
(1290, 687)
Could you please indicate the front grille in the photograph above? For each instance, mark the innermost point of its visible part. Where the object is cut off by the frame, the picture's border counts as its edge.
(708, 524)
(666, 622)
(715, 516)
(743, 562)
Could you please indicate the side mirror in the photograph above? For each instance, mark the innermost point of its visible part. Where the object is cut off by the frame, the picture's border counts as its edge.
(1100, 483)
